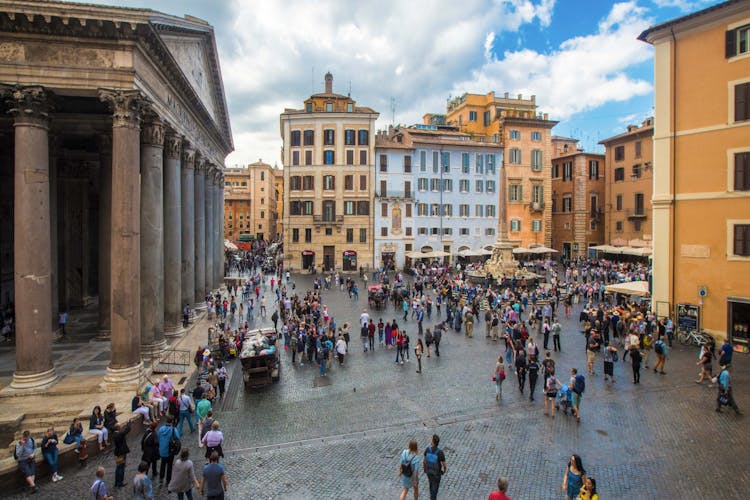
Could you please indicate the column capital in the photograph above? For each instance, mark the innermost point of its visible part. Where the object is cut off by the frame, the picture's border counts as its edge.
(188, 156)
(127, 106)
(28, 104)
(152, 130)
(200, 163)
(173, 142)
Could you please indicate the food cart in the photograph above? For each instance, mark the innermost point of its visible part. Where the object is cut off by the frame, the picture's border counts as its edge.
(260, 358)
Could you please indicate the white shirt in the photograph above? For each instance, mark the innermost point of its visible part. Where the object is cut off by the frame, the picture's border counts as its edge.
(364, 318)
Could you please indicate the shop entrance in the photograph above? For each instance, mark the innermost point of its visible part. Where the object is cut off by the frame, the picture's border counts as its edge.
(329, 258)
(308, 259)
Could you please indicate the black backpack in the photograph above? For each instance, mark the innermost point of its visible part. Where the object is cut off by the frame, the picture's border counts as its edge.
(175, 445)
(407, 469)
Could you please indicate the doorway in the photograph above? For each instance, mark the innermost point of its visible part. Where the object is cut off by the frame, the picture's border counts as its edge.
(329, 259)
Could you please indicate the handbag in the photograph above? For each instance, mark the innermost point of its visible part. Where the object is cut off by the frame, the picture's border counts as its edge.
(723, 398)
(68, 439)
(120, 460)
(494, 378)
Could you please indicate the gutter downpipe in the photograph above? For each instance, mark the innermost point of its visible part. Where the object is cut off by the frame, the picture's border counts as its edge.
(674, 173)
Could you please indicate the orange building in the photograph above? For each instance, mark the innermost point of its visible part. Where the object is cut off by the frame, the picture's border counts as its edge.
(628, 178)
(577, 198)
(702, 169)
(250, 207)
(516, 124)
(278, 185)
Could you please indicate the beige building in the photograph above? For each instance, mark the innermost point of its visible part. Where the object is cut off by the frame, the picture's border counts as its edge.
(577, 198)
(278, 188)
(701, 214)
(250, 208)
(525, 134)
(628, 184)
(328, 156)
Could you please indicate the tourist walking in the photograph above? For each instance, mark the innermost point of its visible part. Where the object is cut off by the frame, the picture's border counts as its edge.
(408, 469)
(577, 387)
(143, 488)
(214, 481)
(502, 488)
(168, 438)
(183, 476)
(610, 356)
(186, 411)
(574, 478)
(50, 453)
(434, 465)
(521, 366)
(150, 447)
(119, 439)
(726, 397)
(98, 489)
(551, 386)
(556, 330)
(213, 440)
(660, 349)
(499, 377)
(533, 370)
(418, 353)
(635, 359)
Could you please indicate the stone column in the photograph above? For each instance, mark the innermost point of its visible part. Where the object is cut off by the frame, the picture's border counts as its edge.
(172, 238)
(31, 238)
(219, 229)
(152, 236)
(125, 366)
(187, 224)
(105, 214)
(210, 257)
(200, 234)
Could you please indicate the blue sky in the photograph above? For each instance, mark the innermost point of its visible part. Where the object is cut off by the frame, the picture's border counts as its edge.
(579, 57)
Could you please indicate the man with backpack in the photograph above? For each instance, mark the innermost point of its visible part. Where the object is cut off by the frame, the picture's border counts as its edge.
(169, 446)
(725, 397)
(578, 386)
(660, 349)
(24, 454)
(434, 465)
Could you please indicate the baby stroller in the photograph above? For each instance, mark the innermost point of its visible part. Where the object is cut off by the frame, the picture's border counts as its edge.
(563, 402)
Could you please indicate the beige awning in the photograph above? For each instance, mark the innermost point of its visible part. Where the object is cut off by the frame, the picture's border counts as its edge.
(230, 246)
(520, 250)
(542, 249)
(426, 255)
(474, 253)
(639, 288)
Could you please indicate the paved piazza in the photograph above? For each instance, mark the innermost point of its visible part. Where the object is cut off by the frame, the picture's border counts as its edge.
(302, 439)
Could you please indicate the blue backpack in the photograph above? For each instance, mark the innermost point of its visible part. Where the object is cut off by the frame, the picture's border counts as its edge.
(431, 460)
(579, 385)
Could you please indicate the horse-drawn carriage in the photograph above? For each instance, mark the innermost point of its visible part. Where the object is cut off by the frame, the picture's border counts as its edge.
(376, 297)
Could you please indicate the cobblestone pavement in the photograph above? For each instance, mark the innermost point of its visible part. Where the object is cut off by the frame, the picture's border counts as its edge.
(303, 439)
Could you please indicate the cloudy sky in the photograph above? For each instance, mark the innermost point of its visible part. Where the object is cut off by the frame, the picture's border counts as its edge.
(579, 57)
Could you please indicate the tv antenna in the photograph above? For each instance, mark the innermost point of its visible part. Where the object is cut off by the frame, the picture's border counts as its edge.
(393, 111)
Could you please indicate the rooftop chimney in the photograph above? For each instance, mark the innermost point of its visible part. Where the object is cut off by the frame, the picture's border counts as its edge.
(329, 83)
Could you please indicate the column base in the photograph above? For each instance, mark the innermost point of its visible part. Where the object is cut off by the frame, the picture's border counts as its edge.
(150, 350)
(103, 334)
(173, 331)
(123, 378)
(33, 381)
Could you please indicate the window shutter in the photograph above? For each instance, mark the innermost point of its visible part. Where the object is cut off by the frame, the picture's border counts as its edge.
(731, 47)
(739, 170)
(739, 233)
(741, 101)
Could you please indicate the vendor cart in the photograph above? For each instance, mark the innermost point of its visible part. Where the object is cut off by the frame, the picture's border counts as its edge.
(260, 358)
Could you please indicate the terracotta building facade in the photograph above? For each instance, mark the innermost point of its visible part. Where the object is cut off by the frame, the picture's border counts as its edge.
(250, 205)
(114, 135)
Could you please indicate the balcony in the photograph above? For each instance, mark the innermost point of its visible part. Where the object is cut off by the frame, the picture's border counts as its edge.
(638, 213)
(597, 213)
(395, 195)
(536, 206)
(319, 220)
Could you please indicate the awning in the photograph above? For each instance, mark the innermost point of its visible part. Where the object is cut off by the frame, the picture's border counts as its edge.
(542, 249)
(639, 288)
(230, 246)
(473, 253)
(349, 253)
(427, 255)
(641, 252)
(308, 252)
(521, 250)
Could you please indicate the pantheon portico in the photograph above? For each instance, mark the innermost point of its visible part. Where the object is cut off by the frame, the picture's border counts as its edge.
(112, 146)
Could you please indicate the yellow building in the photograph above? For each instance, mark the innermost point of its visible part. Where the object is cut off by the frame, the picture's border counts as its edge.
(629, 185)
(525, 135)
(702, 167)
(328, 155)
(278, 187)
(250, 207)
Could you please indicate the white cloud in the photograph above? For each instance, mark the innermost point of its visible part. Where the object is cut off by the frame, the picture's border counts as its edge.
(683, 5)
(583, 73)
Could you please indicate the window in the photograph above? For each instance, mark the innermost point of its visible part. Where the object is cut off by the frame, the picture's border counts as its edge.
(448, 210)
(490, 231)
(447, 185)
(295, 208)
(536, 136)
(422, 161)
(308, 107)
(408, 231)
(434, 184)
(435, 231)
(593, 169)
(295, 183)
(537, 194)
(536, 225)
(308, 157)
(329, 182)
(464, 231)
(636, 171)
(309, 138)
(348, 208)
(435, 165)
(514, 156)
(465, 169)
(486, 118)
(515, 225)
(308, 235)
(480, 163)
(742, 102)
(738, 41)
(295, 157)
(639, 206)
(307, 208)
(363, 183)
(329, 210)
(619, 153)
(445, 161)
(567, 205)
(328, 136)
(434, 209)
(349, 157)
(618, 226)
(422, 184)
(383, 231)
(308, 183)
(364, 137)
(407, 164)
(407, 189)
(479, 186)
(741, 240)
(363, 235)
(348, 183)
(463, 210)
(295, 138)
(618, 202)
(619, 174)
(515, 193)
(384, 209)
(328, 157)
(363, 157)
(489, 210)
(350, 137)
(554, 204)
(349, 107)
(363, 207)
(536, 159)
(555, 170)
(478, 210)
(383, 163)
(637, 146)
(295, 235)
(329, 231)
(422, 209)
(490, 185)
(422, 231)
(463, 185)
(407, 212)
(567, 170)
(742, 171)
(515, 135)
(636, 225)
(472, 116)
(491, 164)
(350, 235)
(329, 107)
(447, 230)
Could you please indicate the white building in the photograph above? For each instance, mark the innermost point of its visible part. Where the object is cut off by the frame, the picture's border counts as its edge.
(436, 189)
